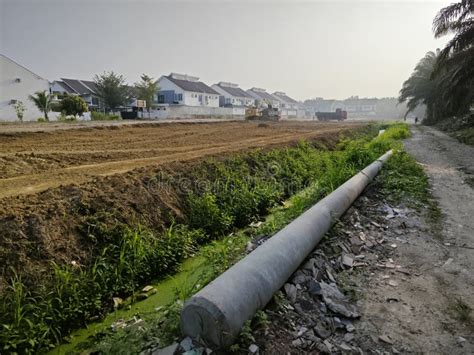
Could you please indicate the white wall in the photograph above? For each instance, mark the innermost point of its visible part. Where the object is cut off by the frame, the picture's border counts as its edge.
(189, 98)
(11, 89)
(184, 111)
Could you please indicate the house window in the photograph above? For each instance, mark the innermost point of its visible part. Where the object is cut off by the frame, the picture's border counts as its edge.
(161, 99)
(180, 97)
(227, 100)
(95, 101)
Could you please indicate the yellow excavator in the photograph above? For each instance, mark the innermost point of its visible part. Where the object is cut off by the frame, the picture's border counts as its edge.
(262, 114)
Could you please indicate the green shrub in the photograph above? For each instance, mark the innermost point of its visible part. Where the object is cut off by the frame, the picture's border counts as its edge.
(100, 116)
(41, 119)
(205, 213)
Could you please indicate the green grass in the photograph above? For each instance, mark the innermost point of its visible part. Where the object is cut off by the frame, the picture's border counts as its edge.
(465, 136)
(237, 191)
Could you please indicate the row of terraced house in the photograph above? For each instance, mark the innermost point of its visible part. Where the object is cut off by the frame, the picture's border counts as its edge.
(179, 95)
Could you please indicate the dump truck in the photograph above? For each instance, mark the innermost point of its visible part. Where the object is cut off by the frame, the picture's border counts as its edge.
(338, 115)
(266, 114)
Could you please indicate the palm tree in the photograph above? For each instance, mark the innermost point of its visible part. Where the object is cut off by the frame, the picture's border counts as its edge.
(42, 100)
(457, 58)
(421, 88)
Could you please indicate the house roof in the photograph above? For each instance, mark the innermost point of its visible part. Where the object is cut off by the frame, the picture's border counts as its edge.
(234, 91)
(81, 87)
(194, 86)
(66, 87)
(285, 97)
(262, 94)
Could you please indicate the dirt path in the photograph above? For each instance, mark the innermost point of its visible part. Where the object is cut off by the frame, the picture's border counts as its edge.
(31, 162)
(432, 298)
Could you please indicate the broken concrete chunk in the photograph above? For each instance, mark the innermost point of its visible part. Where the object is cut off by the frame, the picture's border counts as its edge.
(322, 331)
(386, 339)
(337, 302)
(253, 349)
(290, 291)
(347, 260)
(314, 288)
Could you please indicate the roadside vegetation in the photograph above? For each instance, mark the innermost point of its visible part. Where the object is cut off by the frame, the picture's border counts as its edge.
(227, 197)
(443, 81)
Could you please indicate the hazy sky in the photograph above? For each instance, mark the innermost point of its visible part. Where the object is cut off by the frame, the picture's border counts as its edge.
(332, 49)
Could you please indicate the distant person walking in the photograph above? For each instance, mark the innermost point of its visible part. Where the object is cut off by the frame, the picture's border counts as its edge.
(416, 120)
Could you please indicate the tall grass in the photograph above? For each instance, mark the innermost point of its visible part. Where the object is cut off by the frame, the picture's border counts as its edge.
(238, 191)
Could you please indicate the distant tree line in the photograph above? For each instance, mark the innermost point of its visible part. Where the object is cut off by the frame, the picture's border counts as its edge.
(443, 80)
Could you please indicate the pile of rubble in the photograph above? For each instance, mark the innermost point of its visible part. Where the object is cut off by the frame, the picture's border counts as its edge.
(321, 311)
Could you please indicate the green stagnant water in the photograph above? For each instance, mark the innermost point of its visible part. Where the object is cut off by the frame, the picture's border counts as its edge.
(189, 272)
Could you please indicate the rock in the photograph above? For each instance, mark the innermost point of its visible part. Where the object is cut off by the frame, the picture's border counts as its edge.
(253, 349)
(302, 331)
(386, 339)
(306, 305)
(331, 278)
(347, 260)
(300, 279)
(290, 291)
(345, 347)
(348, 337)
(350, 328)
(309, 264)
(297, 343)
(328, 345)
(338, 324)
(337, 302)
(198, 351)
(393, 283)
(461, 340)
(147, 288)
(314, 288)
(169, 350)
(321, 330)
(186, 344)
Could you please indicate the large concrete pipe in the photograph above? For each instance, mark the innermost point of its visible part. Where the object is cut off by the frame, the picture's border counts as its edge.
(217, 312)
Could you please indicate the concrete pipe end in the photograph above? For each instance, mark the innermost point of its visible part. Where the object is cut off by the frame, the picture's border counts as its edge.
(203, 320)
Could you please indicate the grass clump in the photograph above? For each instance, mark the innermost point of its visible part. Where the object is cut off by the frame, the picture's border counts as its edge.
(101, 116)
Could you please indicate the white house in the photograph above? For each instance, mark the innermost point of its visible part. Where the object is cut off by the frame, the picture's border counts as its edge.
(231, 94)
(182, 89)
(16, 84)
(286, 101)
(263, 98)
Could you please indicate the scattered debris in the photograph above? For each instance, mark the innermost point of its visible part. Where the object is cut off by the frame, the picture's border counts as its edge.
(386, 339)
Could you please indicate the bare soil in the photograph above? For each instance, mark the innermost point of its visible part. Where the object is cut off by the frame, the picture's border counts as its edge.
(31, 162)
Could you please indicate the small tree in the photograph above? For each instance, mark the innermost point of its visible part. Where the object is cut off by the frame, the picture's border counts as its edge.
(146, 90)
(42, 100)
(19, 110)
(111, 90)
(73, 105)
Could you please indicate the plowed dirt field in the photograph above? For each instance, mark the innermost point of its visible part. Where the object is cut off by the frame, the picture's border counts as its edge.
(31, 162)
